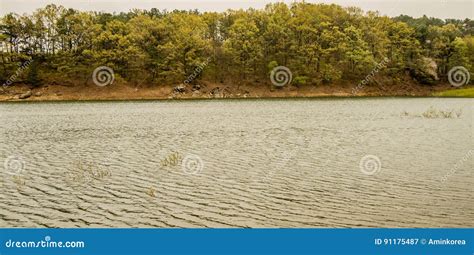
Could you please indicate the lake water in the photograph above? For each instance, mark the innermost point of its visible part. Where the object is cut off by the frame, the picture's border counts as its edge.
(237, 163)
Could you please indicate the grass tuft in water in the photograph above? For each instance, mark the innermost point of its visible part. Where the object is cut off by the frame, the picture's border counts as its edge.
(19, 181)
(433, 113)
(82, 173)
(151, 192)
(172, 159)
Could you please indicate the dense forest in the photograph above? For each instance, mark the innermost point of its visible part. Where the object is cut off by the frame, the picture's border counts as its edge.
(319, 43)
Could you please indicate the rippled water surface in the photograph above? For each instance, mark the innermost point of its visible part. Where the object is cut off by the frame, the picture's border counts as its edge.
(264, 163)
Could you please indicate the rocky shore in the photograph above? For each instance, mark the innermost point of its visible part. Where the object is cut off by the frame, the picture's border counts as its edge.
(203, 90)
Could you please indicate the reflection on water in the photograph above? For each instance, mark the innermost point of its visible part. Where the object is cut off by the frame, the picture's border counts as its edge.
(261, 163)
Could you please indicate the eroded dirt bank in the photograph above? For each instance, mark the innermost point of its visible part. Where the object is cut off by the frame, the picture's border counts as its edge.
(203, 90)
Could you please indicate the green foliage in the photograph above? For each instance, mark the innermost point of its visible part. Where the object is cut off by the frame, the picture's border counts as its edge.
(300, 81)
(319, 43)
(271, 66)
(32, 78)
(463, 92)
(459, 55)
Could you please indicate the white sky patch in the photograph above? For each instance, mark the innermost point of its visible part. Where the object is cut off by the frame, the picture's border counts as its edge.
(459, 9)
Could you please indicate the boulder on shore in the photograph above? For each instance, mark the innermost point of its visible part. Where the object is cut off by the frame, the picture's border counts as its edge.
(216, 93)
(196, 93)
(180, 88)
(196, 87)
(26, 95)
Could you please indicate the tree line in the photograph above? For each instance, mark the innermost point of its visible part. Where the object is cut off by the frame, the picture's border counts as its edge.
(319, 43)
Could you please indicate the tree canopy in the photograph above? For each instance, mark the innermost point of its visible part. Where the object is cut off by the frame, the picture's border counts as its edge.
(319, 43)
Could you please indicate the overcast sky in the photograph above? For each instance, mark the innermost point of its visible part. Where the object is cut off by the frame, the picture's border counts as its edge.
(435, 8)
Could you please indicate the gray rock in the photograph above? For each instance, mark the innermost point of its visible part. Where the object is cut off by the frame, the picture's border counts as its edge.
(196, 93)
(196, 87)
(180, 88)
(216, 93)
(26, 95)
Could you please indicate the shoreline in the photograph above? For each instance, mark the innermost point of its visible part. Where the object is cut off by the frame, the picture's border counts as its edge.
(224, 99)
(59, 93)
